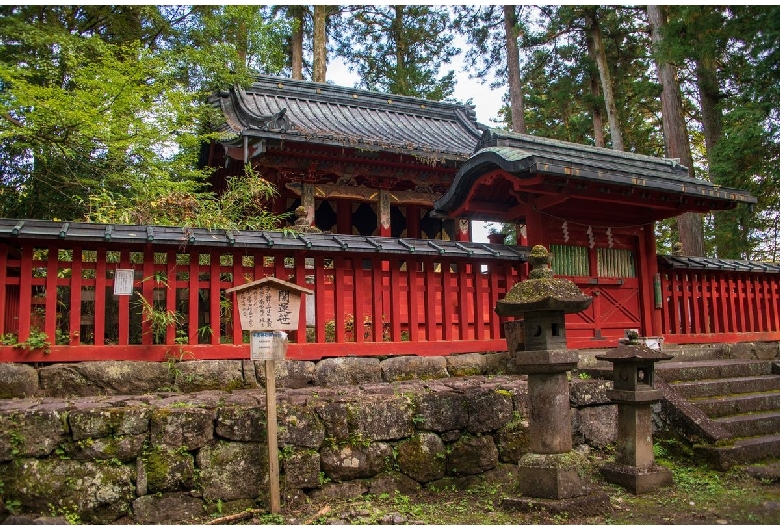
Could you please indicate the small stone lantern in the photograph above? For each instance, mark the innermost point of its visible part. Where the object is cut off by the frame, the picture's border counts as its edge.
(634, 393)
(551, 474)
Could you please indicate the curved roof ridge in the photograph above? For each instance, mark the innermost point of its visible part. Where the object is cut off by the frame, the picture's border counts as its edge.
(319, 91)
(494, 134)
(278, 107)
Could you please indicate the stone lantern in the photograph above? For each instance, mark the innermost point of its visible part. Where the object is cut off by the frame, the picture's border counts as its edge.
(551, 474)
(634, 393)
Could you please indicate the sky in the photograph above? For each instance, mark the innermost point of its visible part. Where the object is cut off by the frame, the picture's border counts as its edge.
(487, 103)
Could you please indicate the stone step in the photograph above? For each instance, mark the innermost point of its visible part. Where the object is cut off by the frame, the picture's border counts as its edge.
(731, 405)
(672, 371)
(753, 424)
(722, 387)
(742, 451)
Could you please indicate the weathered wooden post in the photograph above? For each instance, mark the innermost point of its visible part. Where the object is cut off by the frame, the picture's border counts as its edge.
(551, 474)
(267, 307)
(634, 392)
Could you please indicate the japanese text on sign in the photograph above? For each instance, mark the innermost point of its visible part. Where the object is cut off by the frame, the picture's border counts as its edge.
(268, 308)
(123, 281)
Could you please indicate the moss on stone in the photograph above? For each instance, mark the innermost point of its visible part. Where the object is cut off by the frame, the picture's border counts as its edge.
(422, 457)
(530, 291)
(571, 460)
(543, 294)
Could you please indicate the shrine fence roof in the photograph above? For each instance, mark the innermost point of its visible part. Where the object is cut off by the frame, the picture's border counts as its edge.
(181, 237)
(716, 264)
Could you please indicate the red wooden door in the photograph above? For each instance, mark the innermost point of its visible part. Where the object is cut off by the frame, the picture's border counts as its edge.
(609, 275)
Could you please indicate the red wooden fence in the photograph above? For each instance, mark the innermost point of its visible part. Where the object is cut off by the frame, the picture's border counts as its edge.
(725, 305)
(435, 299)
(373, 296)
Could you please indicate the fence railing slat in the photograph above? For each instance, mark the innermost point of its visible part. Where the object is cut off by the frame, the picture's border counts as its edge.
(74, 325)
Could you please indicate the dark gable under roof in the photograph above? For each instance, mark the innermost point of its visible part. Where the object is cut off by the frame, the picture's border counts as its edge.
(525, 154)
(276, 107)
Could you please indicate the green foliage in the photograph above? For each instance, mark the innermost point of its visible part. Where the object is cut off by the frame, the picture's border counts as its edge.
(159, 319)
(110, 101)
(559, 72)
(270, 518)
(732, 53)
(13, 505)
(241, 207)
(37, 340)
(399, 49)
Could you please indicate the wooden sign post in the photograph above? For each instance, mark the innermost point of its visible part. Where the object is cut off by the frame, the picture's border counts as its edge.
(268, 307)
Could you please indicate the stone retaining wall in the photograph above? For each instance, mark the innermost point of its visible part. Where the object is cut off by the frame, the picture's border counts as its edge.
(163, 456)
(143, 442)
(127, 377)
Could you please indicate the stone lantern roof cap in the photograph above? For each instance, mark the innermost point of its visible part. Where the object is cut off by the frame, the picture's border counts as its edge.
(542, 292)
(634, 352)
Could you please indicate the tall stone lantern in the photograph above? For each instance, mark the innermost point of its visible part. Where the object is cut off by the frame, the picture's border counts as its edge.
(634, 392)
(551, 470)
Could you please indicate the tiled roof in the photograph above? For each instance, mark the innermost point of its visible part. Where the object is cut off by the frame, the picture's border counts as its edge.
(179, 237)
(275, 107)
(526, 154)
(607, 164)
(715, 264)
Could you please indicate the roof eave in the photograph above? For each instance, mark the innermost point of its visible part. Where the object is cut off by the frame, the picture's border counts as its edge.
(518, 163)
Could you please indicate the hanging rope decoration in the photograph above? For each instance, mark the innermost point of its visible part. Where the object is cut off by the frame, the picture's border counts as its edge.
(589, 231)
(583, 224)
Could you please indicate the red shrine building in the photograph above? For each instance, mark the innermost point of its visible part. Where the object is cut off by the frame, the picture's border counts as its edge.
(372, 164)
(360, 162)
(384, 189)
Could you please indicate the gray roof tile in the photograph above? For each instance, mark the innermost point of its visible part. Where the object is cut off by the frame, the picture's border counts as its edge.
(522, 153)
(715, 264)
(323, 113)
(178, 238)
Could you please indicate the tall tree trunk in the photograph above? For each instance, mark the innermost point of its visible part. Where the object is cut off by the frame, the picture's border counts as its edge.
(595, 91)
(400, 50)
(711, 115)
(296, 46)
(615, 131)
(517, 106)
(712, 127)
(321, 13)
(689, 225)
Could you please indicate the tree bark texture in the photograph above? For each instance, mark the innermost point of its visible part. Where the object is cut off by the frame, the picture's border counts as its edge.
(615, 131)
(711, 115)
(516, 103)
(689, 225)
(321, 13)
(296, 44)
(595, 90)
(400, 49)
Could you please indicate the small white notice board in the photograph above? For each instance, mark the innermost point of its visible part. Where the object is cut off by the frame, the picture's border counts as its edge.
(268, 345)
(123, 281)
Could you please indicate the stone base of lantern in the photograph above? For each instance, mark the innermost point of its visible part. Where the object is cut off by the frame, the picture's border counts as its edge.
(636, 480)
(593, 503)
(553, 476)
